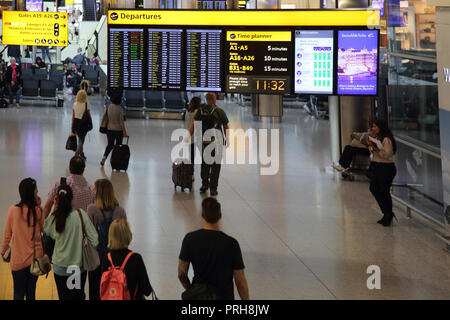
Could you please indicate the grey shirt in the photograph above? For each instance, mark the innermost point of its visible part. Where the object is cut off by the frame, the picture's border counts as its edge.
(95, 214)
(115, 117)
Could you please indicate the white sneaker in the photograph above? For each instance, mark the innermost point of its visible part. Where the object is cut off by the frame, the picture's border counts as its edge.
(338, 167)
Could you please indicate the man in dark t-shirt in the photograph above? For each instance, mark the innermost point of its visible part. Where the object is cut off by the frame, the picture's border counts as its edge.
(216, 257)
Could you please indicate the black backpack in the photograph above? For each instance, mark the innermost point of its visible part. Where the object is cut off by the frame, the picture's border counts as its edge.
(103, 230)
(208, 120)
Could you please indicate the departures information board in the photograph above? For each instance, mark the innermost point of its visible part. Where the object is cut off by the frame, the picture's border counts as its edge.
(284, 52)
(164, 58)
(126, 58)
(203, 60)
(258, 61)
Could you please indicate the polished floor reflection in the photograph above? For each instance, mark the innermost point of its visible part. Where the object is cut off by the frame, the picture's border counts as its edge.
(304, 233)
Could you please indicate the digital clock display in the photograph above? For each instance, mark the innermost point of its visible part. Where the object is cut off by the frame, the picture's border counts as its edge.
(258, 61)
(275, 85)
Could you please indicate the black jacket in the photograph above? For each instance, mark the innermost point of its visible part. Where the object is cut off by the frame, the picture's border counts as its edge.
(8, 74)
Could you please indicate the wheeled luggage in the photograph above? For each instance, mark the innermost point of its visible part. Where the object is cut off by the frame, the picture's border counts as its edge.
(182, 171)
(120, 156)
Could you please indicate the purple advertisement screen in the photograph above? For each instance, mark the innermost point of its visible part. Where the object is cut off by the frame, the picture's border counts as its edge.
(378, 4)
(34, 5)
(357, 62)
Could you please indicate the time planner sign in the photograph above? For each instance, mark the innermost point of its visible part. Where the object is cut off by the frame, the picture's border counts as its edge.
(258, 61)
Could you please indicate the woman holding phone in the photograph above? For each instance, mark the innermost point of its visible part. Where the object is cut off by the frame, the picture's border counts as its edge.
(382, 168)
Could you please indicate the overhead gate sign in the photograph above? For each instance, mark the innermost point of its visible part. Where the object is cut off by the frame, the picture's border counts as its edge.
(35, 28)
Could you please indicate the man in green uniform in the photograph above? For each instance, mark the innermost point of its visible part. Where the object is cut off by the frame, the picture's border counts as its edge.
(212, 117)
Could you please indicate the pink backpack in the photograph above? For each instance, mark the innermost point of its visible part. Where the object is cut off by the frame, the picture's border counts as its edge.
(113, 285)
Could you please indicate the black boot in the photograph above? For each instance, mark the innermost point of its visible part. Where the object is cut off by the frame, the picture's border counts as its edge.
(387, 220)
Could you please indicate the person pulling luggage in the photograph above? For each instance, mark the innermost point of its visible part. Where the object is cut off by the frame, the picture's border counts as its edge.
(116, 130)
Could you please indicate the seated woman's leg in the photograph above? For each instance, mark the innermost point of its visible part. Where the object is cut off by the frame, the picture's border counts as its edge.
(346, 157)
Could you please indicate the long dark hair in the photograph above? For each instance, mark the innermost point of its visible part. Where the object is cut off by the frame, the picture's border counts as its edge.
(64, 196)
(26, 190)
(385, 132)
(194, 104)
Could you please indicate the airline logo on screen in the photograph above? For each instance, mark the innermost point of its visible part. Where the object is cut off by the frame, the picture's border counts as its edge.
(367, 18)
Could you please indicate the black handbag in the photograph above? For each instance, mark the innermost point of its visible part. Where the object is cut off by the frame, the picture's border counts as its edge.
(86, 121)
(71, 143)
(48, 244)
(104, 123)
(200, 291)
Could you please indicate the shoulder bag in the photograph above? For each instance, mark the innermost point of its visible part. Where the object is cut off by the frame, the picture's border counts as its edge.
(104, 122)
(41, 265)
(86, 121)
(200, 291)
(7, 255)
(91, 260)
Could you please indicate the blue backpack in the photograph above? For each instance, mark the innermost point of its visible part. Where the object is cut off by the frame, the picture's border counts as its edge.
(103, 230)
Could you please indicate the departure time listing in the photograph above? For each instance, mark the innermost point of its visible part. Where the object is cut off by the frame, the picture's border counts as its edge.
(203, 65)
(126, 50)
(164, 58)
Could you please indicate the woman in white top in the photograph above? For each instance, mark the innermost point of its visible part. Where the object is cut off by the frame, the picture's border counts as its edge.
(80, 106)
(194, 105)
(382, 169)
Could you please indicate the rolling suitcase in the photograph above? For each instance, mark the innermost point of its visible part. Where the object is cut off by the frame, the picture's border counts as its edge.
(182, 172)
(120, 156)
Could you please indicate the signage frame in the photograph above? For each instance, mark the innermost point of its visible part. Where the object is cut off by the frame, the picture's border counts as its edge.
(262, 27)
(13, 17)
(378, 61)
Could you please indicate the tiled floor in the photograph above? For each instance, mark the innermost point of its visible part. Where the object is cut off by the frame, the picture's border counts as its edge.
(304, 233)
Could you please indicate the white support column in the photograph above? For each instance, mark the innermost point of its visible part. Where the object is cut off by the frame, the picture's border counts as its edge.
(335, 130)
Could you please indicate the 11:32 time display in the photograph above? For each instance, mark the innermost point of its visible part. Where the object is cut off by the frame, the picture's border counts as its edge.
(271, 85)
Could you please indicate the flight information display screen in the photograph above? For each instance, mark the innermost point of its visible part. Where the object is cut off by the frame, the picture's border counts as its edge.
(258, 61)
(314, 61)
(126, 58)
(203, 60)
(357, 62)
(164, 58)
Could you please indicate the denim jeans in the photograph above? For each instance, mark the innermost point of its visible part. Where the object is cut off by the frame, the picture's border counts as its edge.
(11, 92)
(46, 50)
(24, 284)
(114, 137)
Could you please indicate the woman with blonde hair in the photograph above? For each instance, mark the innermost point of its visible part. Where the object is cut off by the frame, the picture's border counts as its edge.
(120, 237)
(102, 212)
(80, 107)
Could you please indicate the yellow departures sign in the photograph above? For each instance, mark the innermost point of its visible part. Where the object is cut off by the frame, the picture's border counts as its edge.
(329, 18)
(35, 28)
